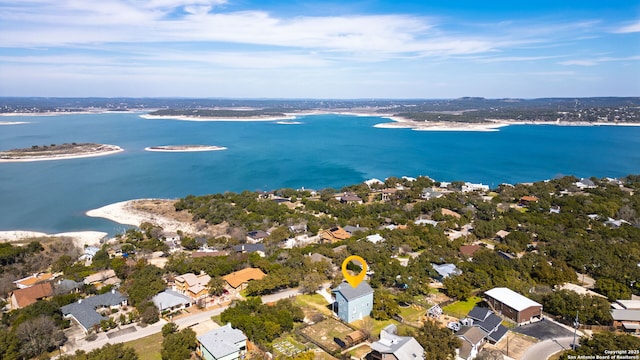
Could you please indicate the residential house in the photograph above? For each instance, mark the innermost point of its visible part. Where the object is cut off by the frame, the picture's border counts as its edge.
(527, 200)
(626, 315)
(333, 235)
(394, 347)
(350, 198)
(375, 238)
(585, 184)
(85, 311)
(33, 279)
(501, 234)
(512, 305)
(102, 278)
(507, 256)
(193, 286)
(66, 286)
(351, 303)
(469, 250)
(350, 229)
(430, 193)
(445, 270)
(223, 343)
(615, 223)
(388, 194)
(489, 322)
(425, 221)
(26, 296)
(469, 187)
(256, 236)
(238, 280)
(298, 228)
(471, 338)
(171, 300)
(250, 248)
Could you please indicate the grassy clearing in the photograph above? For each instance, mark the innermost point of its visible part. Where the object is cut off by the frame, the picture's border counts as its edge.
(315, 301)
(147, 348)
(461, 308)
(412, 313)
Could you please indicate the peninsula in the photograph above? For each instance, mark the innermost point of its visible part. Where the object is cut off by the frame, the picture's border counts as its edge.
(58, 152)
(184, 148)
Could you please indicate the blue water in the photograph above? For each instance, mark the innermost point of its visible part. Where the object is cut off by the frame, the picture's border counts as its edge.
(324, 151)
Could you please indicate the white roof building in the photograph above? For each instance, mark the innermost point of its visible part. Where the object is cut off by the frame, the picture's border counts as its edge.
(511, 298)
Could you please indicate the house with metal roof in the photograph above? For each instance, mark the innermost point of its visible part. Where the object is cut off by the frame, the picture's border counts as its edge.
(394, 347)
(351, 303)
(85, 311)
(171, 300)
(513, 305)
(445, 270)
(223, 343)
(489, 322)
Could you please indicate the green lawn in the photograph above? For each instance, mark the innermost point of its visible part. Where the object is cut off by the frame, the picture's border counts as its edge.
(412, 313)
(147, 348)
(460, 309)
(315, 301)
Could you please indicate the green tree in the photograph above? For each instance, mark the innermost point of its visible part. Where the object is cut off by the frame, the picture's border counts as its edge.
(9, 345)
(169, 328)
(439, 343)
(179, 345)
(612, 289)
(216, 286)
(601, 341)
(384, 306)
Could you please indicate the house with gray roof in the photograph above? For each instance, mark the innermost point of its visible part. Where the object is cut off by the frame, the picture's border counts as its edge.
(223, 343)
(445, 270)
(351, 303)
(471, 341)
(394, 347)
(489, 322)
(85, 311)
(171, 300)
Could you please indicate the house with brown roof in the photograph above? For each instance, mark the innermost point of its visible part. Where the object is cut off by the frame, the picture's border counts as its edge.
(191, 285)
(27, 296)
(33, 279)
(526, 200)
(238, 280)
(469, 250)
(333, 235)
(102, 278)
(350, 198)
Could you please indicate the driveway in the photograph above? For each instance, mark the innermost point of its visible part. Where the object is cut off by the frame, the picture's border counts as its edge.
(544, 349)
(544, 330)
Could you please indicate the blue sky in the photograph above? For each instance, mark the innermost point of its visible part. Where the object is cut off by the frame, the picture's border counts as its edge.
(319, 49)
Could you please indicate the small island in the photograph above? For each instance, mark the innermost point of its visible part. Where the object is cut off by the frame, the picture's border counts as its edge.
(184, 148)
(58, 152)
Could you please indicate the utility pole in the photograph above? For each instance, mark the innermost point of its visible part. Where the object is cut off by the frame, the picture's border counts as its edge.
(576, 325)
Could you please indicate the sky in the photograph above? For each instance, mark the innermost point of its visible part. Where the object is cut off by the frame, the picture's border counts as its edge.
(319, 49)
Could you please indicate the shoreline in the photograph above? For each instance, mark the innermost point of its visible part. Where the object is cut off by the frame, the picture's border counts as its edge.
(184, 148)
(79, 238)
(215, 118)
(488, 126)
(114, 149)
(124, 213)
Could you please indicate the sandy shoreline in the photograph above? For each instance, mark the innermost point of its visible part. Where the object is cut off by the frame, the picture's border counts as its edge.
(184, 148)
(114, 150)
(124, 213)
(80, 238)
(13, 122)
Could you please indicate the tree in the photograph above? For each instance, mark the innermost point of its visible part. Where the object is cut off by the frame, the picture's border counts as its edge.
(179, 346)
(38, 336)
(216, 286)
(169, 328)
(612, 289)
(9, 345)
(458, 286)
(384, 306)
(107, 352)
(311, 283)
(438, 342)
(602, 341)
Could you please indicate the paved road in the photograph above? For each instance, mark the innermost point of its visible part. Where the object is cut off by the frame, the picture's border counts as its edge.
(183, 322)
(546, 348)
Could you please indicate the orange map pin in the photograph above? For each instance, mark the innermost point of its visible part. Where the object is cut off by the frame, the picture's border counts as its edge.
(354, 280)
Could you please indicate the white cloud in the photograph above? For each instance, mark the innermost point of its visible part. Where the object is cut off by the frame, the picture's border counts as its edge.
(598, 60)
(631, 28)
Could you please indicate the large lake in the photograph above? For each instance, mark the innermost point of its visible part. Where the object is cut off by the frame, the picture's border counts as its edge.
(322, 151)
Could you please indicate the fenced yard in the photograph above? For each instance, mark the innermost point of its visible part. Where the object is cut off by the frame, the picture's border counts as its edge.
(324, 333)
